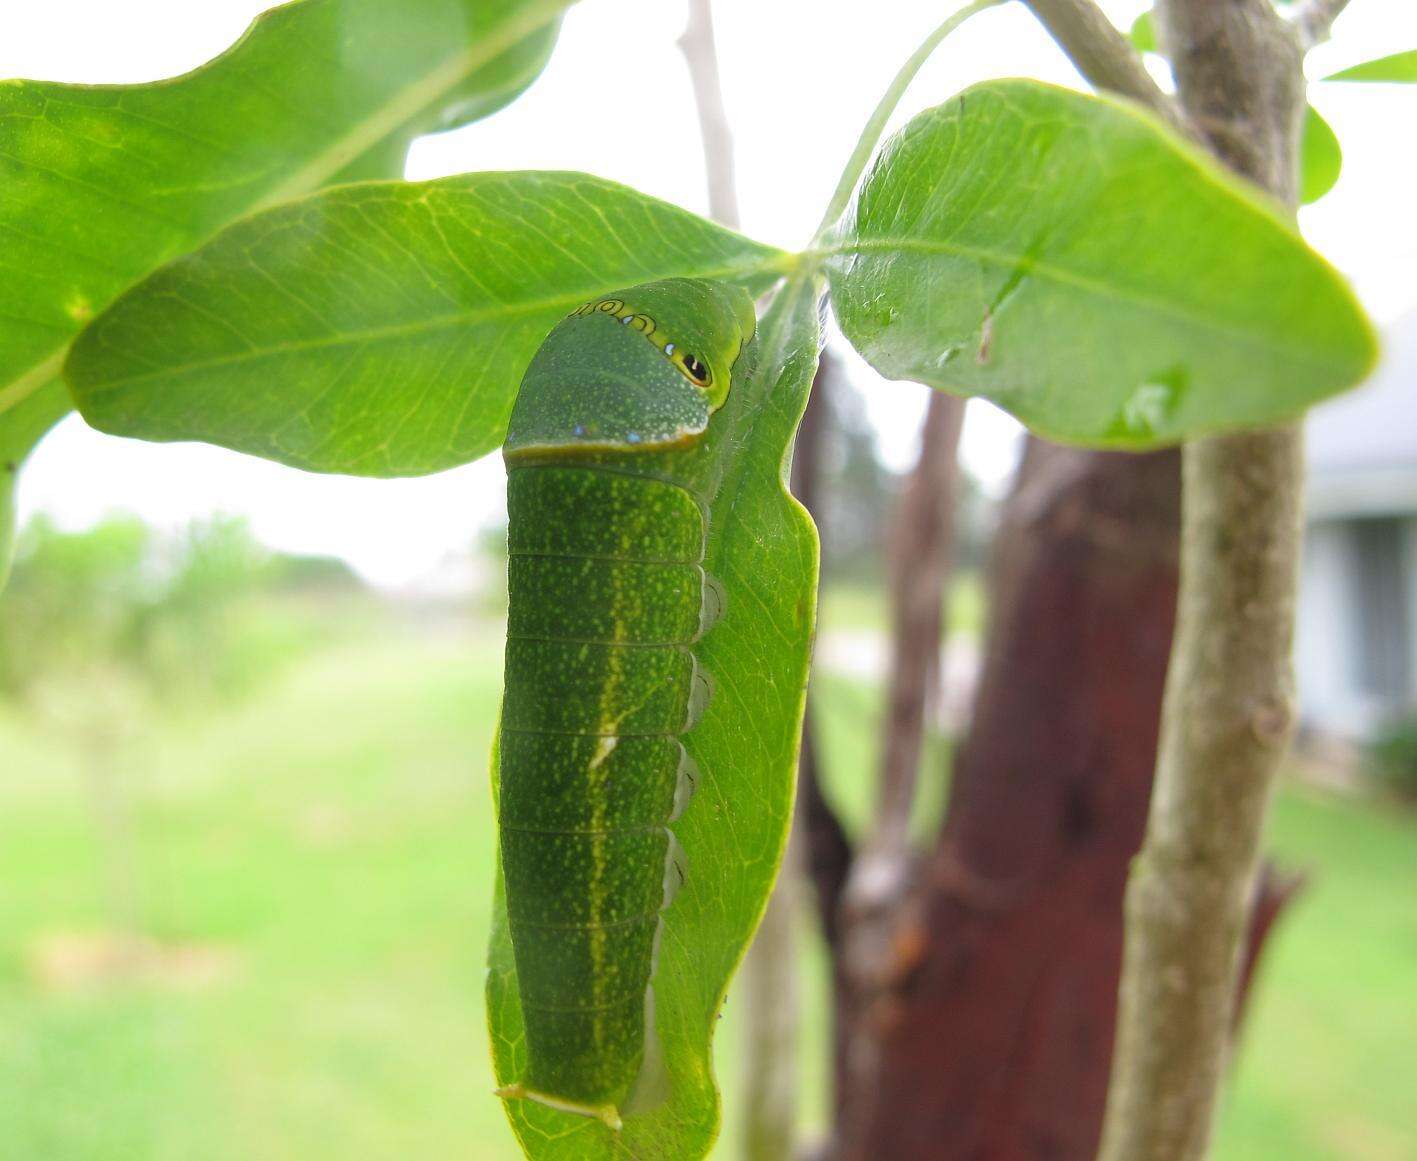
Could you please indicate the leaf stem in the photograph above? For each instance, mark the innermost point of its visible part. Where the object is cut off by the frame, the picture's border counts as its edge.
(871, 134)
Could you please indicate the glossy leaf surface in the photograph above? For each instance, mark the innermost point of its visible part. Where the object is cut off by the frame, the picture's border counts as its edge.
(1320, 158)
(1399, 68)
(381, 329)
(99, 184)
(1143, 33)
(1074, 261)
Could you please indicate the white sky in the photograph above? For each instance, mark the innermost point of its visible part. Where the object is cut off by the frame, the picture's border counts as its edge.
(800, 77)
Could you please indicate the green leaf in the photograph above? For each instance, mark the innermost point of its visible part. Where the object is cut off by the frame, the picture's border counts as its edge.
(7, 522)
(20, 429)
(1320, 158)
(1074, 261)
(1143, 33)
(1399, 68)
(763, 549)
(381, 329)
(99, 184)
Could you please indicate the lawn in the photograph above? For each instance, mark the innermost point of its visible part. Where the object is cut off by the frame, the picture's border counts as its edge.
(857, 606)
(315, 865)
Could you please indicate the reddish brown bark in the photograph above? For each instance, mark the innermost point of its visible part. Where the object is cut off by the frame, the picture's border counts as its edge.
(1275, 891)
(989, 1034)
(976, 1010)
(874, 903)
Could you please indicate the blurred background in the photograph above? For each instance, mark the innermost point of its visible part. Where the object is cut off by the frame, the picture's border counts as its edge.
(245, 831)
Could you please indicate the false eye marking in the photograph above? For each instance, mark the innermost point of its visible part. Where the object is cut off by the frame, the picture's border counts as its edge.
(693, 368)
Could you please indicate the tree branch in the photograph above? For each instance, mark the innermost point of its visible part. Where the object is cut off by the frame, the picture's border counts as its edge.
(921, 550)
(771, 1005)
(1103, 55)
(1313, 20)
(921, 546)
(828, 850)
(1275, 890)
(701, 55)
(1228, 709)
(987, 1032)
(1239, 74)
(881, 910)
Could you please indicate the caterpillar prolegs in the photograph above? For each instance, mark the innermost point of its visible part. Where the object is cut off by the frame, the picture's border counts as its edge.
(608, 596)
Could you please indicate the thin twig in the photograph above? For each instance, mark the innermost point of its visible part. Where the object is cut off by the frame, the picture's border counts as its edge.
(1229, 704)
(770, 996)
(827, 851)
(1313, 20)
(1274, 892)
(876, 125)
(701, 55)
(1104, 57)
(921, 554)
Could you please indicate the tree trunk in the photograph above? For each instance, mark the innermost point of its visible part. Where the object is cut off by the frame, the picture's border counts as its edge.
(989, 1034)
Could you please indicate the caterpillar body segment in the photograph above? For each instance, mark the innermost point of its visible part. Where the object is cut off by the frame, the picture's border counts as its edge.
(607, 598)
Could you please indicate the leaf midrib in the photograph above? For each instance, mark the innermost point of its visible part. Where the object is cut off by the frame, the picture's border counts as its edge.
(405, 105)
(35, 376)
(1065, 277)
(368, 335)
(398, 110)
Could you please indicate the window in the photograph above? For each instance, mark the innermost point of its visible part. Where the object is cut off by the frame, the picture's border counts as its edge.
(1380, 584)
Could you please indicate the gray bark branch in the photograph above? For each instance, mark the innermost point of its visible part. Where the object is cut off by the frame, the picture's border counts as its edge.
(1313, 20)
(1228, 710)
(1103, 55)
(701, 54)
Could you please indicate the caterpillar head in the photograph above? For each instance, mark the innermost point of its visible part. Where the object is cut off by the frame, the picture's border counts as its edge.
(641, 369)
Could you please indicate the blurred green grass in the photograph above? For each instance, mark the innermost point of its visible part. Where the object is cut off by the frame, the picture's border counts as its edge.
(327, 845)
(848, 606)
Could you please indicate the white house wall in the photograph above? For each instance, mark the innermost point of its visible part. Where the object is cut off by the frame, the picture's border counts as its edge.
(1411, 574)
(1362, 454)
(1326, 634)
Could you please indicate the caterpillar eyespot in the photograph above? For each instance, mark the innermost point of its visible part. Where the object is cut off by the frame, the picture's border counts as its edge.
(608, 598)
(696, 370)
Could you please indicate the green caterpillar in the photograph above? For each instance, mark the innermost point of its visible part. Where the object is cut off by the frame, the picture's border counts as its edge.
(607, 597)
